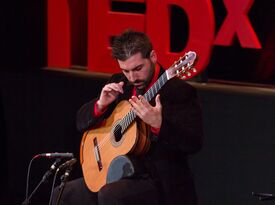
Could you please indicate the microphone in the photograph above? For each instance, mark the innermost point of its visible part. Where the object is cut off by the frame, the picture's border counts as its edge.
(264, 196)
(51, 170)
(68, 163)
(56, 155)
(45, 177)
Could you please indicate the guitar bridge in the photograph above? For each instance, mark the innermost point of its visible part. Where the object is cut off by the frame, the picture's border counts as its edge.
(97, 154)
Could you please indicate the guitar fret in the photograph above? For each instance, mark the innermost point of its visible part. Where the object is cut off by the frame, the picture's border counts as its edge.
(150, 96)
(126, 124)
(158, 85)
(155, 88)
(127, 120)
(123, 124)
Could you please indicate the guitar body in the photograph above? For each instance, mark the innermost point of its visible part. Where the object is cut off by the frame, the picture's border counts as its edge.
(101, 145)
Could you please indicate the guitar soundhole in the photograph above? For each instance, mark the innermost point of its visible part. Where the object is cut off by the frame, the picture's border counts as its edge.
(117, 133)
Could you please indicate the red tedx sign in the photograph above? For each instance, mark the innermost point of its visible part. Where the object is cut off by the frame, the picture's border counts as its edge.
(103, 23)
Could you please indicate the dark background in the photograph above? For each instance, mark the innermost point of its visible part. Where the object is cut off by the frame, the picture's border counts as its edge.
(38, 107)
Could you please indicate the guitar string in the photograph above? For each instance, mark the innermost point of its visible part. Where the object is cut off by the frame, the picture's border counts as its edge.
(125, 122)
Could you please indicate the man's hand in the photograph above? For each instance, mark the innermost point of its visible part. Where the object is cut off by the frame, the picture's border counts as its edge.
(146, 112)
(108, 94)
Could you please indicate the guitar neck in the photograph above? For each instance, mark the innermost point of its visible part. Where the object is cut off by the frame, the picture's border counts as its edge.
(182, 68)
(149, 95)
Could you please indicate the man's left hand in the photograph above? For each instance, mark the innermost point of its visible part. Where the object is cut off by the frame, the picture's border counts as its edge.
(149, 114)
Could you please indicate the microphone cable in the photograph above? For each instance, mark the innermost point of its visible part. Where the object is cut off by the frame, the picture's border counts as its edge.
(54, 179)
(28, 176)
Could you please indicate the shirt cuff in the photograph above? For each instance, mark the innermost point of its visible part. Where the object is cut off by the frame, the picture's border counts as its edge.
(97, 112)
(155, 131)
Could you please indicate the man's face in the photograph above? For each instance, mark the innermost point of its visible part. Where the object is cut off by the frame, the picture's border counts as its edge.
(138, 70)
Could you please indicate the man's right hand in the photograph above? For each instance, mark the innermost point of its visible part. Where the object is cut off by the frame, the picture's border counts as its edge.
(108, 94)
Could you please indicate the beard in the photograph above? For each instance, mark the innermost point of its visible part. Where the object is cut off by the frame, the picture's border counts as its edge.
(142, 84)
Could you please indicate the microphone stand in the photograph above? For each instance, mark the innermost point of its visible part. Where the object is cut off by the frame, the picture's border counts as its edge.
(44, 178)
(64, 179)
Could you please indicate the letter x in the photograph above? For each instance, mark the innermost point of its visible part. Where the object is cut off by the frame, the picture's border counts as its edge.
(237, 23)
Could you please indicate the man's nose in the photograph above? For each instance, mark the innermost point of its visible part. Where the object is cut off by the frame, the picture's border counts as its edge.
(132, 76)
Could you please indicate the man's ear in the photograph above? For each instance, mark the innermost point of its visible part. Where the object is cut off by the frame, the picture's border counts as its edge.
(153, 56)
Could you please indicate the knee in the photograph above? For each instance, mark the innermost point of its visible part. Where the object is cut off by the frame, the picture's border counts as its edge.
(106, 196)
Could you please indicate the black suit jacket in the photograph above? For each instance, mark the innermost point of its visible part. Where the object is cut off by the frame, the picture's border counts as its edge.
(180, 135)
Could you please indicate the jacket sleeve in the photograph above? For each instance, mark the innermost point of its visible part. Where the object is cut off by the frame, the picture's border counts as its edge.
(86, 119)
(181, 127)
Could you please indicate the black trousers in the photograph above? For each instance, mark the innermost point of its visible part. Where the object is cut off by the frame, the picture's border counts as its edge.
(141, 191)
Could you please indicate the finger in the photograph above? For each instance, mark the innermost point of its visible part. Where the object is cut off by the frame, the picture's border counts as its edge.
(120, 86)
(115, 87)
(158, 103)
(143, 100)
(139, 103)
(107, 89)
(133, 105)
(136, 105)
(135, 99)
(135, 111)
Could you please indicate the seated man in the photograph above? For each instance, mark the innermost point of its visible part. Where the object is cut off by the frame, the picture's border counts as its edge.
(174, 118)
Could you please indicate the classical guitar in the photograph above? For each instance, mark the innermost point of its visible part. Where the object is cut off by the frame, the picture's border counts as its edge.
(122, 132)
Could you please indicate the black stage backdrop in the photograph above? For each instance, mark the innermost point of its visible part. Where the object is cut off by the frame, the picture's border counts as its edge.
(38, 115)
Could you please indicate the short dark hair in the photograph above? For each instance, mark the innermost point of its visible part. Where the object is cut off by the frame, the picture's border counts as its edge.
(129, 43)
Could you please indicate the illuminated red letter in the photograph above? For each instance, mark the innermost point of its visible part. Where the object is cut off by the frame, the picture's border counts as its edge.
(102, 25)
(238, 23)
(201, 31)
(59, 43)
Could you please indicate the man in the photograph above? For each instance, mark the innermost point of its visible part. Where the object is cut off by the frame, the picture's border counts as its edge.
(174, 118)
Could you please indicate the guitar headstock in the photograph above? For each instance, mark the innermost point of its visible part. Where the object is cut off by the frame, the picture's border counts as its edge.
(183, 68)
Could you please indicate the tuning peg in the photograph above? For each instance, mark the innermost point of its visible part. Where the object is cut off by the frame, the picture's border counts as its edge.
(183, 77)
(194, 70)
(188, 74)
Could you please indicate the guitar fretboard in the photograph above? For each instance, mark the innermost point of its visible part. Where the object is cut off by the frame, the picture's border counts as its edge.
(149, 95)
